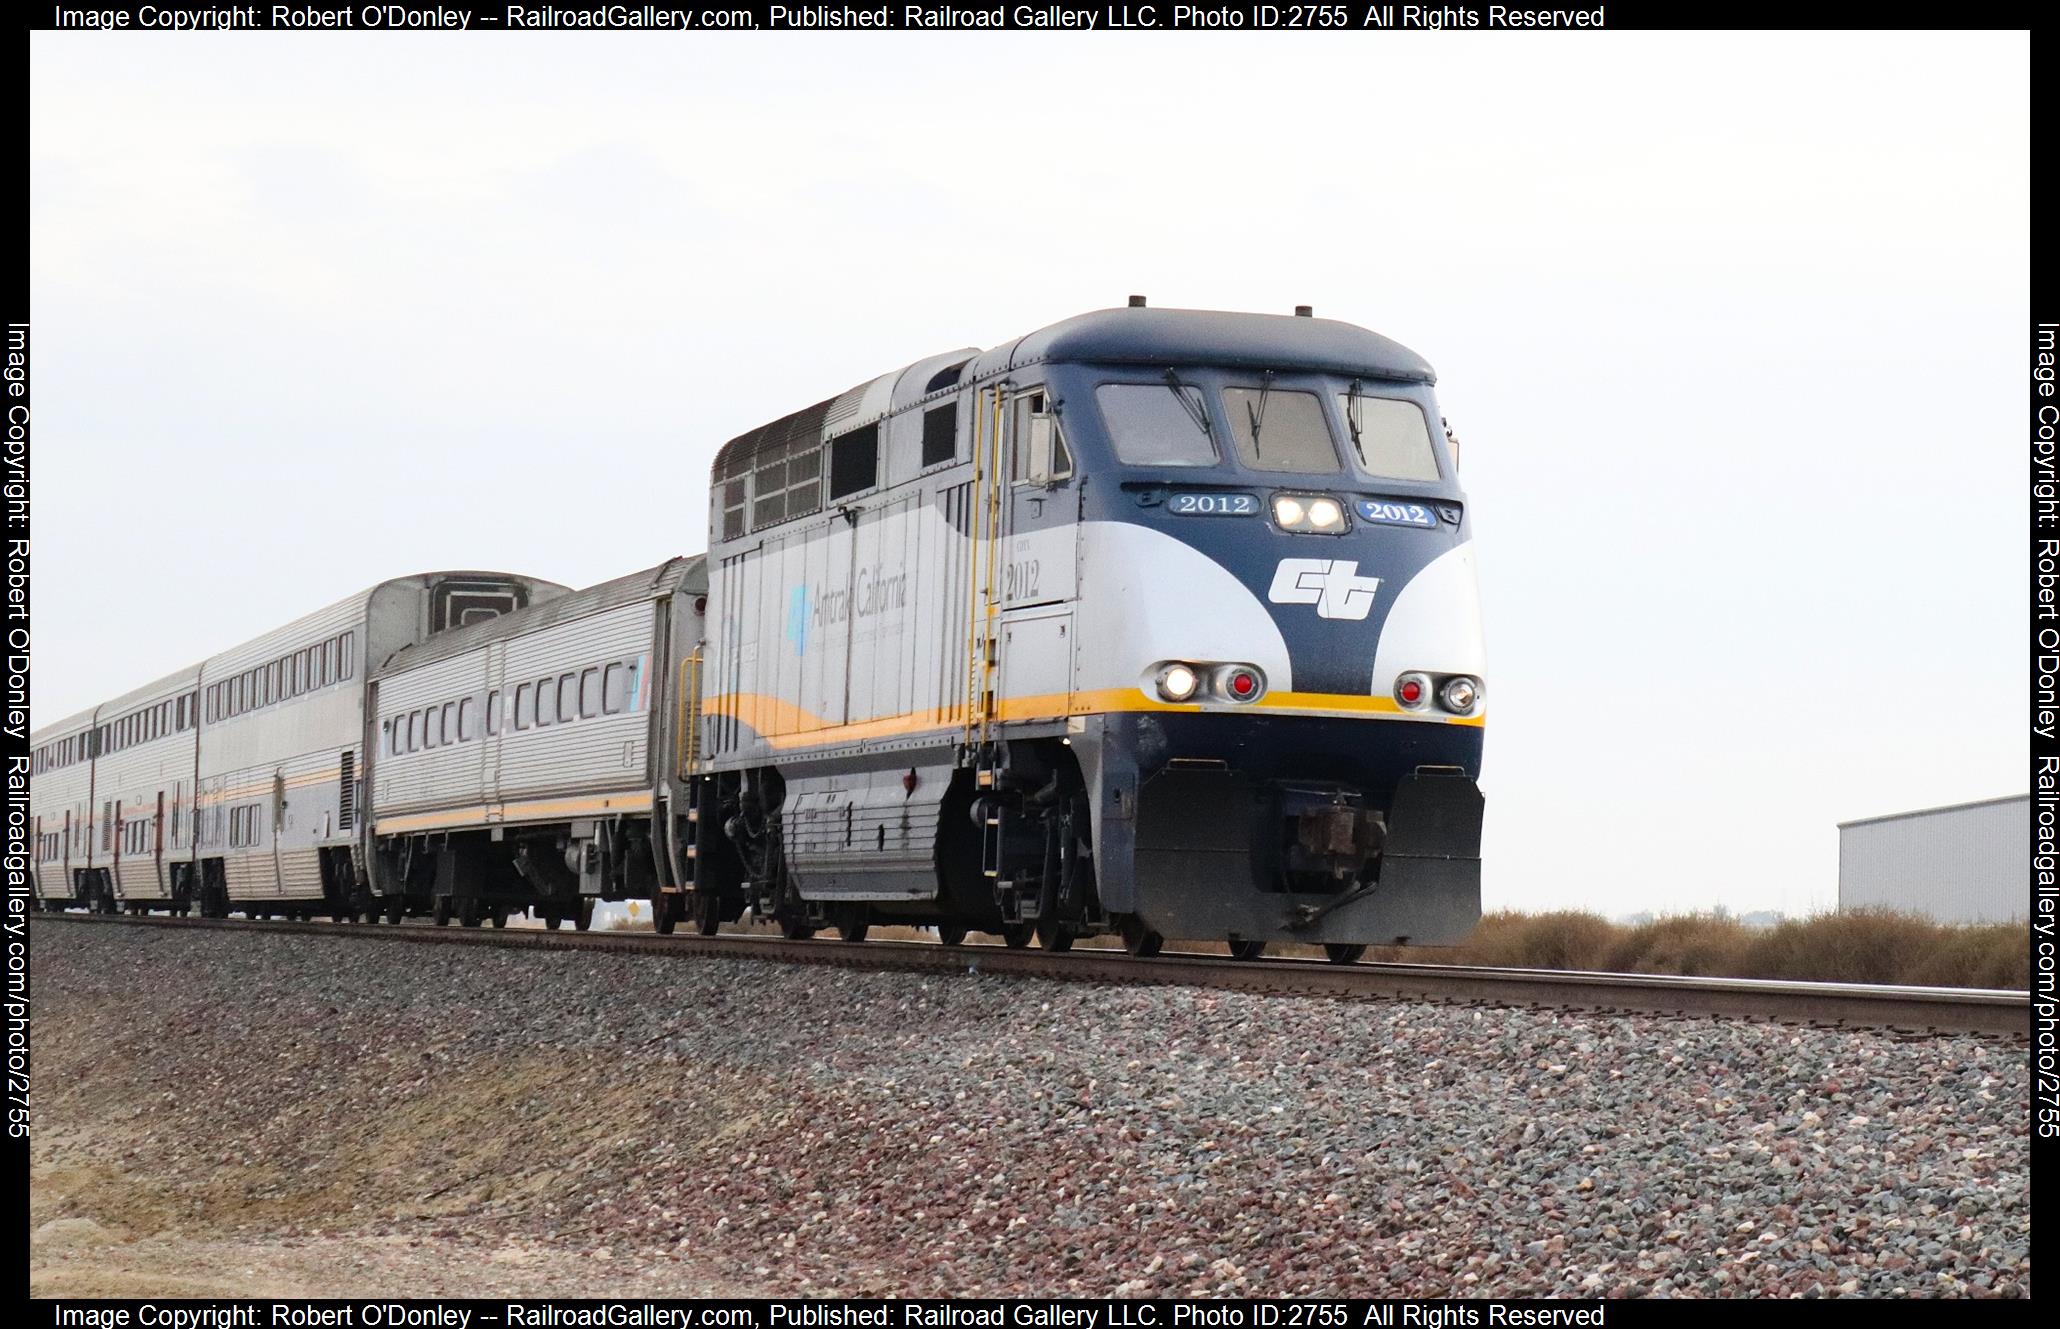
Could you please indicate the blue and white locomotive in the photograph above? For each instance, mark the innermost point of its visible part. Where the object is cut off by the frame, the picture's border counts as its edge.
(1154, 622)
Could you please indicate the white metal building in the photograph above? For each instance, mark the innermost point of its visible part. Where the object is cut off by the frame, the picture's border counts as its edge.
(1968, 863)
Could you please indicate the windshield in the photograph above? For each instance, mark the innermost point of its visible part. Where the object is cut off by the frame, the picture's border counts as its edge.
(1157, 424)
(1391, 437)
(1280, 430)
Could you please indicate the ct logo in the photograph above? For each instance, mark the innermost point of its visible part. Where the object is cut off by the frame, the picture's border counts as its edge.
(1333, 586)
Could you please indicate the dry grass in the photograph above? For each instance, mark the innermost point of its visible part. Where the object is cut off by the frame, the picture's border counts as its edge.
(1862, 946)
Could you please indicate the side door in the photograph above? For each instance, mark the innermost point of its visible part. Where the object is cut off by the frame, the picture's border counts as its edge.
(1039, 556)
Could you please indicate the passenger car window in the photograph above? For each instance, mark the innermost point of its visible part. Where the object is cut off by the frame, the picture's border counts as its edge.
(568, 697)
(447, 731)
(522, 704)
(545, 711)
(589, 693)
(1391, 438)
(1280, 430)
(1155, 424)
(493, 713)
(614, 689)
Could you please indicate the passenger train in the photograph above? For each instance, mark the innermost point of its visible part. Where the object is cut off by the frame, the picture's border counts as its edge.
(1153, 623)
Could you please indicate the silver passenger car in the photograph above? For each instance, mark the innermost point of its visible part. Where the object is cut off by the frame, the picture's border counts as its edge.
(532, 763)
(236, 784)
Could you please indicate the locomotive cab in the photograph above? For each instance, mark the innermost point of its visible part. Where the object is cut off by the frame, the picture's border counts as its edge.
(1279, 586)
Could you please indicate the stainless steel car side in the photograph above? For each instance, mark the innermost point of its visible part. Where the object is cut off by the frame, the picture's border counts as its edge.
(539, 762)
(237, 784)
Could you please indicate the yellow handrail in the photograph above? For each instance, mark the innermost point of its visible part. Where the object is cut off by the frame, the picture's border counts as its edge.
(686, 740)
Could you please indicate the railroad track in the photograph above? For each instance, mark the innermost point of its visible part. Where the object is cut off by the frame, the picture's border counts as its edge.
(1909, 1010)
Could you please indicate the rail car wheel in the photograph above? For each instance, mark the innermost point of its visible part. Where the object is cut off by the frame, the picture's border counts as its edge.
(1338, 952)
(952, 934)
(442, 911)
(707, 915)
(796, 929)
(1140, 940)
(469, 913)
(500, 915)
(1017, 935)
(396, 909)
(853, 927)
(1242, 948)
(584, 919)
(1053, 935)
(665, 914)
(552, 918)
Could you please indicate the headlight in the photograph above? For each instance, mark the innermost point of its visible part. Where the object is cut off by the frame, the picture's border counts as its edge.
(1177, 682)
(1308, 512)
(1413, 690)
(1460, 695)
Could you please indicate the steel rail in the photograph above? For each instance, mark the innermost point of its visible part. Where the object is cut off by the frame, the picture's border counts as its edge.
(1920, 1010)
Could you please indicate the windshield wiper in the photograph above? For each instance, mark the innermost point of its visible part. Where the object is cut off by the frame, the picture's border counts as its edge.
(1189, 404)
(1257, 415)
(1352, 417)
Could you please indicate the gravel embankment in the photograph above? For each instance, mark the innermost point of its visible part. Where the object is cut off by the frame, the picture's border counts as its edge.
(615, 1125)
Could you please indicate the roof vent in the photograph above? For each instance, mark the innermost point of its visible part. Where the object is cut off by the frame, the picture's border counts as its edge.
(1305, 311)
(1137, 302)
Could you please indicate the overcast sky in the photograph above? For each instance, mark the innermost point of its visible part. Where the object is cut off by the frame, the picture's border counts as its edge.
(1731, 328)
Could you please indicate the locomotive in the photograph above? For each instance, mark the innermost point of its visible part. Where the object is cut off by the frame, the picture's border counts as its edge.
(1154, 623)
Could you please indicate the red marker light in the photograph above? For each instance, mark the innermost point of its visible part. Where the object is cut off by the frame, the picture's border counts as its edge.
(1242, 684)
(1412, 692)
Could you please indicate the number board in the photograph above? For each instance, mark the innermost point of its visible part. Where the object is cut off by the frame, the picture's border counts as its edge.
(1394, 512)
(1212, 505)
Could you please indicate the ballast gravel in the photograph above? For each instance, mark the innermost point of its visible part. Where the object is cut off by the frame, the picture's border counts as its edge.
(683, 1125)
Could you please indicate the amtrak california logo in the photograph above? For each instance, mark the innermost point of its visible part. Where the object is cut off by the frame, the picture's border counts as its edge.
(1334, 586)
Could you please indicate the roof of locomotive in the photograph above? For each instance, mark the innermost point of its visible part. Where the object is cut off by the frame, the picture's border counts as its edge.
(645, 584)
(1214, 337)
(1131, 336)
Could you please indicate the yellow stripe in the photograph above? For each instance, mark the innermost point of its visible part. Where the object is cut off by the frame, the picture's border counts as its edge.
(549, 809)
(784, 725)
(264, 790)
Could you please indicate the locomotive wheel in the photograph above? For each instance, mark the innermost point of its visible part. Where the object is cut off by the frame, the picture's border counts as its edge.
(664, 914)
(396, 909)
(1140, 940)
(1343, 952)
(707, 914)
(852, 923)
(584, 919)
(1054, 935)
(552, 918)
(500, 915)
(796, 929)
(1243, 949)
(951, 934)
(469, 913)
(1017, 935)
